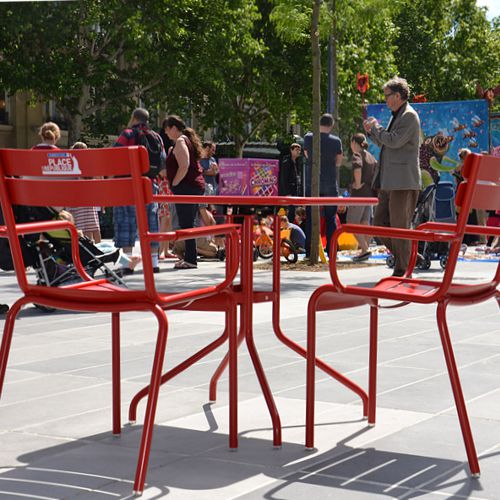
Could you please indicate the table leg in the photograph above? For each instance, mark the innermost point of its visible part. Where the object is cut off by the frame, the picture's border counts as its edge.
(247, 323)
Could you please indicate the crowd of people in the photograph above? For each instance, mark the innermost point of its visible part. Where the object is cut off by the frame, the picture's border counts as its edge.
(180, 164)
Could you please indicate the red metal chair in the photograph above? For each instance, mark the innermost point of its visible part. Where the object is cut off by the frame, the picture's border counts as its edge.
(109, 177)
(481, 189)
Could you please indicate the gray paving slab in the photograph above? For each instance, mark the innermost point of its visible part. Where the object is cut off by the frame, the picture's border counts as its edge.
(55, 413)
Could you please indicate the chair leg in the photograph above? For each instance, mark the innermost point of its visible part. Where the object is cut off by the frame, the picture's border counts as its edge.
(233, 377)
(372, 369)
(173, 372)
(147, 432)
(212, 394)
(116, 377)
(8, 330)
(310, 370)
(457, 389)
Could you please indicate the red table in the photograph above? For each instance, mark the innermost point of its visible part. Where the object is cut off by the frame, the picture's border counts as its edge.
(246, 296)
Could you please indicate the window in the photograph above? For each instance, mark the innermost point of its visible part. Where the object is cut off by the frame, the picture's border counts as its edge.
(4, 107)
(53, 115)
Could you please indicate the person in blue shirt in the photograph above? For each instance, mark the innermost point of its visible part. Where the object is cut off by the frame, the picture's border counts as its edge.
(210, 168)
(297, 236)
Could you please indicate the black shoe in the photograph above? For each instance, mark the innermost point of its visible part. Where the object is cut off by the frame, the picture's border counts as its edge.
(156, 270)
(361, 257)
(398, 273)
(125, 271)
(221, 254)
(4, 308)
(420, 260)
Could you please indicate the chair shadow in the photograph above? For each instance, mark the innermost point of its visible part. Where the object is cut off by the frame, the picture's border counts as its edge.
(103, 466)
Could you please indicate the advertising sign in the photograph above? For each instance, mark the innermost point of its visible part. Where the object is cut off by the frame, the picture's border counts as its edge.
(248, 177)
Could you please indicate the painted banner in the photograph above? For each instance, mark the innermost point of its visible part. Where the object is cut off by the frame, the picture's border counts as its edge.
(233, 176)
(495, 134)
(248, 177)
(446, 128)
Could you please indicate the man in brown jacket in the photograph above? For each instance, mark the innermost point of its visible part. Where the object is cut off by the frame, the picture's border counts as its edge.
(398, 173)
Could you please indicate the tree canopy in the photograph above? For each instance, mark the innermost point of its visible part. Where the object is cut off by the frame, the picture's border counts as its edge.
(242, 66)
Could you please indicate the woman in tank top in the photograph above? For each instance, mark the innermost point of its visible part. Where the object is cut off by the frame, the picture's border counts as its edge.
(185, 176)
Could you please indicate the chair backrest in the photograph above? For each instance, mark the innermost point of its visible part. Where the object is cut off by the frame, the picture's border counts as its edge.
(72, 178)
(480, 189)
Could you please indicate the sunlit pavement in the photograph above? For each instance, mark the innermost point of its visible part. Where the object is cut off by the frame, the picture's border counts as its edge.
(55, 413)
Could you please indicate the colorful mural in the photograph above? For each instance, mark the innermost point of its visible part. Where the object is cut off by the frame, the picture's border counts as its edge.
(446, 127)
(495, 134)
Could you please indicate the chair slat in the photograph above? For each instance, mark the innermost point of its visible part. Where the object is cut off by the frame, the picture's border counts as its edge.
(488, 168)
(75, 192)
(73, 162)
(485, 196)
(486, 192)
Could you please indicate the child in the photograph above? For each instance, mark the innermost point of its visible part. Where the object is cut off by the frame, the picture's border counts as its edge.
(164, 216)
(297, 236)
(86, 218)
(300, 217)
(125, 262)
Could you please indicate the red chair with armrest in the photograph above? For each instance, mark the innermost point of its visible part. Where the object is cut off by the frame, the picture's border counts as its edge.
(481, 189)
(108, 177)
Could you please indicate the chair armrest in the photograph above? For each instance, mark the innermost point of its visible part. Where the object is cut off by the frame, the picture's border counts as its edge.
(405, 234)
(391, 232)
(232, 257)
(469, 229)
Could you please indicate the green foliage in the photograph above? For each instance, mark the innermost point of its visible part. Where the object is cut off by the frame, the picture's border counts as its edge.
(242, 65)
(446, 47)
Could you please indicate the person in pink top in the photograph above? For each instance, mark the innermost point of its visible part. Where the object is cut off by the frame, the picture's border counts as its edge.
(49, 134)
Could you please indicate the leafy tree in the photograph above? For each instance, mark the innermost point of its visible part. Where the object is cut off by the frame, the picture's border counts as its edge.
(445, 47)
(98, 59)
(87, 56)
(365, 44)
(252, 78)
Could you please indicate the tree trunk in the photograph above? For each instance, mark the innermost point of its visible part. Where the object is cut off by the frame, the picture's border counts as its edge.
(316, 111)
(335, 86)
(239, 144)
(74, 128)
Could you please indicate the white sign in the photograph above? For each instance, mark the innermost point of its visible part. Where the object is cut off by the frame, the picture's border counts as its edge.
(61, 164)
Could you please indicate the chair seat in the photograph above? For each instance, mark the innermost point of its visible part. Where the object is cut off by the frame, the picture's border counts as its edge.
(412, 287)
(415, 288)
(97, 291)
(103, 292)
(411, 290)
(331, 299)
(471, 293)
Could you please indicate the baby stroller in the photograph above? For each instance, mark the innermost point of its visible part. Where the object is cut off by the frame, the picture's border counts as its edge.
(50, 257)
(436, 203)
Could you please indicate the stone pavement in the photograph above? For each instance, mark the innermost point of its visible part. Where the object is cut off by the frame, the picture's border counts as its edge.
(55, 413)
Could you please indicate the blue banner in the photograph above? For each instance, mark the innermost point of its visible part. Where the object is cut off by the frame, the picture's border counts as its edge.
(446, 128)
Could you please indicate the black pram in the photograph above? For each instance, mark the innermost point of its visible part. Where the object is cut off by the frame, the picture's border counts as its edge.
(49, 254)
(437, 204)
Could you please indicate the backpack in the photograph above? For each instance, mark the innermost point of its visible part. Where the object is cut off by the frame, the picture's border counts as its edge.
(154, 146)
